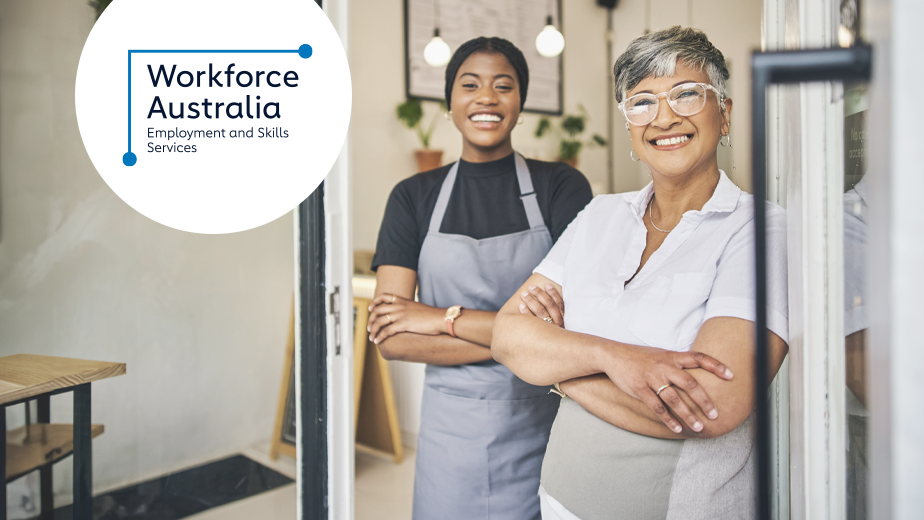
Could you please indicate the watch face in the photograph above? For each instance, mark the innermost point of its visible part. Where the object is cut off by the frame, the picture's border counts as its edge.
(453, 312)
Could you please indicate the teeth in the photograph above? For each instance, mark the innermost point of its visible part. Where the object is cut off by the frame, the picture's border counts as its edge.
(486, 118)
(673, 140)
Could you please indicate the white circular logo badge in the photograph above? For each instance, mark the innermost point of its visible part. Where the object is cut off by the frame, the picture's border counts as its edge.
(213, 116)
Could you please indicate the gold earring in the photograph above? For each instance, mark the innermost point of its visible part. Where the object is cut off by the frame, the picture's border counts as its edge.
(520, 120)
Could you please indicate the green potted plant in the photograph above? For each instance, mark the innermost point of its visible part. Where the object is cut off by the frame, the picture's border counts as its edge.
(569, 130)
(411, 114)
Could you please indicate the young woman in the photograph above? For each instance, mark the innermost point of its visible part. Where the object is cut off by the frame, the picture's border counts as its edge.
(659, 284)
(467, 235)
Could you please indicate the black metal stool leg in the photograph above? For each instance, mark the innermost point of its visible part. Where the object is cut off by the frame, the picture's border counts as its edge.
(46, 489)
(83, 455)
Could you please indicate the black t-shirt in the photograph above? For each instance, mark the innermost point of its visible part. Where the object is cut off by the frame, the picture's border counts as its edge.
(485, 202)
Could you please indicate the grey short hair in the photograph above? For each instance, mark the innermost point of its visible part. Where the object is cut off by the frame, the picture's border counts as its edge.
(656, 55)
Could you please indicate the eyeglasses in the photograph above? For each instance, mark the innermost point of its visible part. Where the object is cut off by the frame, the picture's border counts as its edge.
(685, 100)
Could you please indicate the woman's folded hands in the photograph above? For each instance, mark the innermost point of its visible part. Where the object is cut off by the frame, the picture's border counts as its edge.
(659, 378)
(390, 314)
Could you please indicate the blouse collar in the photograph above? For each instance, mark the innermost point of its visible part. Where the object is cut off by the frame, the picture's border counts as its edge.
(723, 200)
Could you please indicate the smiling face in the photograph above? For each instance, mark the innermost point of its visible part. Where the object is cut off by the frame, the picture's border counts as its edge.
(676, 146)
(485, 106)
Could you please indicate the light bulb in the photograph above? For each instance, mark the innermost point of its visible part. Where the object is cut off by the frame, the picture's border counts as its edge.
(550, 42)
(437, 52)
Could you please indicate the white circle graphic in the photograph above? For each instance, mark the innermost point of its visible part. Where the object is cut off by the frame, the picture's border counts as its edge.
(213, 116)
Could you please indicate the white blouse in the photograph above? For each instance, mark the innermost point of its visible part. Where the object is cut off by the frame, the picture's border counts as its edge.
(704, 269)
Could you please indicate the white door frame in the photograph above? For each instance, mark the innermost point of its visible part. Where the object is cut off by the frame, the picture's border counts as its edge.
(339, 233)
(896, 351)
(806, 150)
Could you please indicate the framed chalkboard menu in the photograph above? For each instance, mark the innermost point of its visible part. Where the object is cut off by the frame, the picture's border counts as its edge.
(518, 21)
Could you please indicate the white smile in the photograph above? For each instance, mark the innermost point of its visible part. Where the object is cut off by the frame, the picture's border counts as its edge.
(673, 140)
(485, 118)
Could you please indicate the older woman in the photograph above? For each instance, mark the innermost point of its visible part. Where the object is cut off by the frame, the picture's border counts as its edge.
(657, 282)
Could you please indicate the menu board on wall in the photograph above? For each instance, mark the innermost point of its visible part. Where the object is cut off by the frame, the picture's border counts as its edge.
(518, 21)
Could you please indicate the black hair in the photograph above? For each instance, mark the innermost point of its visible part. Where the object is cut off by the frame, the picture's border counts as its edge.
(489, 45)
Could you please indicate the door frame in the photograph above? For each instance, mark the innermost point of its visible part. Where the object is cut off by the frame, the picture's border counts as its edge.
(323, 350)
(896, 255)
(805, 151)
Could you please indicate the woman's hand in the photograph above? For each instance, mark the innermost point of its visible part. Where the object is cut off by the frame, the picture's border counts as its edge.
(544, 304)
(642, 371)
(390, 314)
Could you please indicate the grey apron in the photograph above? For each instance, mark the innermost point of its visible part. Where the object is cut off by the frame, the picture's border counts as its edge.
(483, 431)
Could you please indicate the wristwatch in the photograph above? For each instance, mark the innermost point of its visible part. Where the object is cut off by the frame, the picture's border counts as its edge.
(452, 314)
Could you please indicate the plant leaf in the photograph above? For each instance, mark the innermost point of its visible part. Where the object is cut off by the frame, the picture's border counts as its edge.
(573, 125)
(410, 112)
(99, 6)
(543, 127)
(569, 149)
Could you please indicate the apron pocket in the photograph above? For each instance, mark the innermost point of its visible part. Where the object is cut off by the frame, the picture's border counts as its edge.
(671, 311)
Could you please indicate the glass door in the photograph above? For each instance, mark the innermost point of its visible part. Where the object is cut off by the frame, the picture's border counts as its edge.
(817, 169)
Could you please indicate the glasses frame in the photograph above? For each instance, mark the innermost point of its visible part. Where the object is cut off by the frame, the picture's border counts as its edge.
(706, 86)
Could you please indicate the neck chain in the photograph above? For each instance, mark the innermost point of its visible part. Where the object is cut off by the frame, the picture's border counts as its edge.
(650, 219)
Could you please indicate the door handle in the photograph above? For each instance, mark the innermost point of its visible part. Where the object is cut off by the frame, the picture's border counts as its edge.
(769, 68)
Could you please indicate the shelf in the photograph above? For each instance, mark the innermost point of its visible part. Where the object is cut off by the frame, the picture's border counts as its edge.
(44, 444)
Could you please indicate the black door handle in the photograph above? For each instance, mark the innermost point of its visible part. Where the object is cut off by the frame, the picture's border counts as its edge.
(767, 68)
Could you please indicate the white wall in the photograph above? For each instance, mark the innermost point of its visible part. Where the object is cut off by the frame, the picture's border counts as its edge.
(200, 320)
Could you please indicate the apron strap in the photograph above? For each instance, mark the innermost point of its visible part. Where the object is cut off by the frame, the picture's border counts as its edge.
(442, 201)
(528, 194)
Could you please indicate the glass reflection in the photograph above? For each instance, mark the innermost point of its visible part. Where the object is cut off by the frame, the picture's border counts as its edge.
(855, 314)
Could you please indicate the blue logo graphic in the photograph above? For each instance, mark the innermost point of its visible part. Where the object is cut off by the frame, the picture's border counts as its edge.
(129, 159)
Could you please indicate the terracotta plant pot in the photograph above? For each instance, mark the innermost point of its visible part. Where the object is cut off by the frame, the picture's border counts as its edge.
(573, 162)
(428, 159)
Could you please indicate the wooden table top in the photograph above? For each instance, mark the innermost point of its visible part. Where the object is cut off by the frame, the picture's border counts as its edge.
(29, 375)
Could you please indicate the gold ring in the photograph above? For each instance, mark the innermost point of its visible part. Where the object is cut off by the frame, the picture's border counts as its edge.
(393, 298)
(658, 393)
(389, 318)
(547, 319)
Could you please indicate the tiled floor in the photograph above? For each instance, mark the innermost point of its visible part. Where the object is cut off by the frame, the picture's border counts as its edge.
(278, 504)
(384, 490)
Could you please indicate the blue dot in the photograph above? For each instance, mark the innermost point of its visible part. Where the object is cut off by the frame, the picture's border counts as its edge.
(304, 51)
(129, 159)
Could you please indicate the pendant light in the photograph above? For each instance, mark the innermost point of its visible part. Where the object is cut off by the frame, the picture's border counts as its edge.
(437, 52)
(550, 41)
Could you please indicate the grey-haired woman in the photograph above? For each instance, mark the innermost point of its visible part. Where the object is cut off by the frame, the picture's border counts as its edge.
(657, 282)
